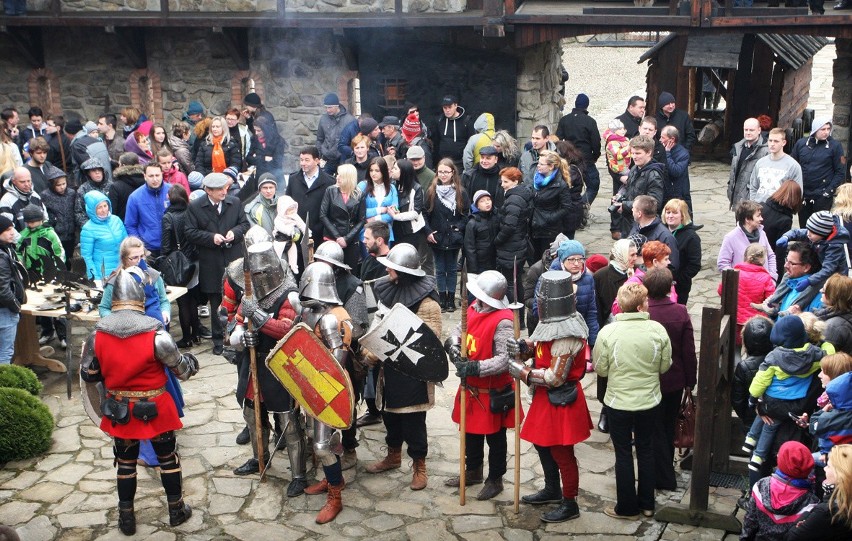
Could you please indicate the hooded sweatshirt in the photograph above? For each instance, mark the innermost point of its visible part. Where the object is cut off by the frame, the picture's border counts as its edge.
(484, 137)
(822, 164)
(834, 427)
(451, 136)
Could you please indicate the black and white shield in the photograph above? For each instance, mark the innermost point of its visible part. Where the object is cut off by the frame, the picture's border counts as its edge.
(405, 341)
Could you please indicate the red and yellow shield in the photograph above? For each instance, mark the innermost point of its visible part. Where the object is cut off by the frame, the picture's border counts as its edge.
(313, 377)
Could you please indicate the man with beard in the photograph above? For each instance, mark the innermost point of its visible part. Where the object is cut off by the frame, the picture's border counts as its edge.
(38, 165)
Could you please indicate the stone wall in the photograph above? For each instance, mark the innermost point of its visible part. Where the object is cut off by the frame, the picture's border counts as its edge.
(261, 6)
(842, 95)
(375, 6)
(538, 86)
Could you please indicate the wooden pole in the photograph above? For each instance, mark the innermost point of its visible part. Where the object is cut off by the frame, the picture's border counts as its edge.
(258, 422)
(516, 324)
(463, 389)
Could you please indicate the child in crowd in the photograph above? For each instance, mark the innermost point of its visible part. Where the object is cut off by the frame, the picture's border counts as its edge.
(756, 346)
(288, 228)
(815, 328)
(781, 384)
(827, 236)
(42, 254)
(59, 201)
(479, 249)
(779, 501)
(755, 284)
(832, 423)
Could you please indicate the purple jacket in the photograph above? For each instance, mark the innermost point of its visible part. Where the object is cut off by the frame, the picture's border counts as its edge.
(675, 319)
(733, 249)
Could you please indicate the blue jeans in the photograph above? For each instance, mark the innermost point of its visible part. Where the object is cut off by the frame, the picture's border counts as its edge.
(445, 269)
(8, 330)
(765, 436)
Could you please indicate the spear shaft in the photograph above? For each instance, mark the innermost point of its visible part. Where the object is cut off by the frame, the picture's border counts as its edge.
(463, 389)
(258, 423)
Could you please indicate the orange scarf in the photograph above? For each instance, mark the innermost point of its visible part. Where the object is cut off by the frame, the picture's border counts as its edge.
(218, 156)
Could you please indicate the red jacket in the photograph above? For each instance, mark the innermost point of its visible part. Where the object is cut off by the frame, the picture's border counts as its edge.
(756, 285)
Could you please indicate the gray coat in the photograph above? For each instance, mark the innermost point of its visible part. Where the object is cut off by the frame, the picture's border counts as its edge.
(738, 182)
(328, 133)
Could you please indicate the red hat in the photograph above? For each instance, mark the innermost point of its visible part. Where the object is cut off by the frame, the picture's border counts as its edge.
(411, 127)
(596, 262)
(795, 460)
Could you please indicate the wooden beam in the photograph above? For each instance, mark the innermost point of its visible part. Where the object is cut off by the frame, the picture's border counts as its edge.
(131, 40)
(237, 44)
(29, 43)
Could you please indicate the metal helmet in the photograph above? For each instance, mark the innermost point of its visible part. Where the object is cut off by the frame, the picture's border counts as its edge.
(331, 253)
(403, 258)
(490, 288)
(235, 272)
(267, 272)
(256, 234)
(127, 290)
(91, 164)
(318, 284)
(555, 297)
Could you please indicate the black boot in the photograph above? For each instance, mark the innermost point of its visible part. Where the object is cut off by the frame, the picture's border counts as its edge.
(251, 466)
(603, 422)
(244, 436)
(566, 511)
(549, 494)
(443, 297)
(451, 301)
(126, 518)
(179, 512)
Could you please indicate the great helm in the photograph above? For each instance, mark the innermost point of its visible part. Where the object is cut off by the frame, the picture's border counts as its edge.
(331, 253)
(555, 297)
(127, 290)
(255, 235)
(490, 288)
(267, 272)
(403, 258)
(318, 284)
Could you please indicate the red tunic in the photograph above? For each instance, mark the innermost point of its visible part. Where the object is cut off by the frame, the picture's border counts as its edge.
(480, 344)
(128, 364)
(548, 425)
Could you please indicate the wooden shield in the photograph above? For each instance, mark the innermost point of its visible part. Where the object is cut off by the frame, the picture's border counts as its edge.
(405, 341)
(313, 377)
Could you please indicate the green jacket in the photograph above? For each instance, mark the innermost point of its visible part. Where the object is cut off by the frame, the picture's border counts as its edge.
(632, 352)
(36, 246)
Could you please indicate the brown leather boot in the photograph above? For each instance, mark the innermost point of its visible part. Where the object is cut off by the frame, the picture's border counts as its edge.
(418, 476)
(322, 486)
(392, 461)
(333, 505)
(471, 477)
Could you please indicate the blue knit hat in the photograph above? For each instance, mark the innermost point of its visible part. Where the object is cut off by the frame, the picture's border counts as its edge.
(582, 102)
(569, 248)
(789, 332)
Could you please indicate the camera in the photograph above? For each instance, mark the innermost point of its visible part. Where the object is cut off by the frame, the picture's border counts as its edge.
(618, 198)
(227, 245)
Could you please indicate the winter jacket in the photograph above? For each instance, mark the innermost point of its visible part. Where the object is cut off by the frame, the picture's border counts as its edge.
(261, 211)
(838, 330)
(269, 156)
(361, 169)
(370, 204)
(182, 153)
(744, 374)
(617, 152)
(12, 293)
(786, 374)
(733, 251)
(144, 218)
(676, 184)
(328, 133)
(13, 202)
(310, 199)
(755, 286)
(59, 154)
(632, 352)
(115, 148)
(585, 301)
(820, 524)
(581, 129)
(831, 252)
(484, 136)
(173, 235)
(680, 120)
(204, 157)
(675, 319)
(339, 218)
(823, 167)
(411, 207)
(344, 143)
(689, 260)
(647, 180)
(100, 238)
(574, 216)
(479, 250)
(528, 162)
(607, 281)
(659, 232)
(87, 147)
(480, 178)
(741, 172)
(631, 123)
(450, 136)
(37, 246)
(126, 179)
(202, 223)
(81, 214)
(175, 176)
(512, 237)
(777, 220)
(551, 204)
(60, 208)
(448, 226)
(775, 507)
(834, 427)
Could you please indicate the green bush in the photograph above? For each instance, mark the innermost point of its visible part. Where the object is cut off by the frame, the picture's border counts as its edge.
(26, 425)
(19, 377)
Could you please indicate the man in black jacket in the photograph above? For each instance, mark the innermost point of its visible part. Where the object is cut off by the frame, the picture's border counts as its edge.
(307, 188)
(632, 116)
(451, 132)
(645, 178)
(669, 115)
(11, 289)
(216, 225)
(485, 176)
(582, 130)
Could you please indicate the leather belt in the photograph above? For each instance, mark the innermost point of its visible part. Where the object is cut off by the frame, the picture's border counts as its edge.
(134, 396)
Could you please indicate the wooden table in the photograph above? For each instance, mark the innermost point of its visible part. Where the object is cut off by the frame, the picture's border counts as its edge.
(27, 349)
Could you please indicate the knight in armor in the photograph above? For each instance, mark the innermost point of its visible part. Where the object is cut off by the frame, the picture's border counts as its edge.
(350, 290)
(489, 327)
(406, 400)
(126, 353)
(272, 316)
(322, 310)
(558, 417)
